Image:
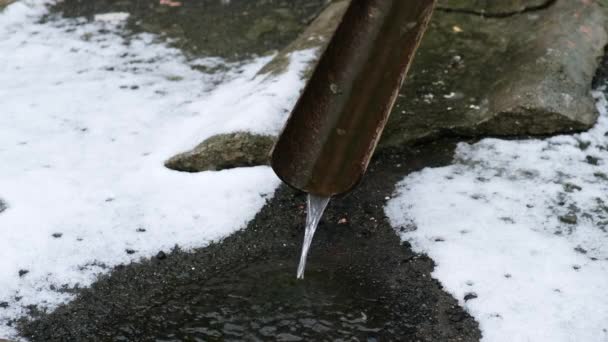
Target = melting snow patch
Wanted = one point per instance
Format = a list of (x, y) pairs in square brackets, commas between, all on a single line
[(519, 232), (87, 120)]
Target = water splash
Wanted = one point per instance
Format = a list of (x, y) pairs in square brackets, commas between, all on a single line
[(315, 209)]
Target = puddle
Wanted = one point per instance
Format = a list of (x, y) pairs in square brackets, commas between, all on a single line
[(264, 301)]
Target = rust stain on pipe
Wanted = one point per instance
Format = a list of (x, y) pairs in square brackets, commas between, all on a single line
[(333, 130)]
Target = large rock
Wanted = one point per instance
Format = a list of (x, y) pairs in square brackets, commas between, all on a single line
[(528, 74), (475, 75), (224, 151)]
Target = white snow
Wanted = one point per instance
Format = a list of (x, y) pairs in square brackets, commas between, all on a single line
[(87, 119), (491, 222), (113, 17)]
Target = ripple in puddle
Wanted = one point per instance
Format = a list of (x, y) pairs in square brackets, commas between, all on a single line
[(266, 302)]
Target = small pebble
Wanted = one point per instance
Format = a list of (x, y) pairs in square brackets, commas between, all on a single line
[(601, 175), (141, 230), (130, 251), (469, 296), (57, 235), (507, 220), (569, 187), (569, 219), (583, 145), (23, 272), (334, 88), (592, 160)]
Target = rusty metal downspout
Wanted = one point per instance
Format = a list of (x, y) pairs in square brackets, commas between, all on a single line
[(331, 134)]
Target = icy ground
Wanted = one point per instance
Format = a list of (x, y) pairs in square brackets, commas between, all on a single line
[(519, 232), (87, 119)]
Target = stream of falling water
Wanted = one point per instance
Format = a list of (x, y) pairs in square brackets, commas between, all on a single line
[(316, 207)]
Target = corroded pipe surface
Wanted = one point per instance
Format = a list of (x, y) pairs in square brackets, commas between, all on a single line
[(333, 130)]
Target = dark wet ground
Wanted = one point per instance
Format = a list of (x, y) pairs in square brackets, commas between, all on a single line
[(362, 283), (234, 29)]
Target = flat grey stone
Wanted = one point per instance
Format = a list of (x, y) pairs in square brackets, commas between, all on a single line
[(528, 74), (224, 151)]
